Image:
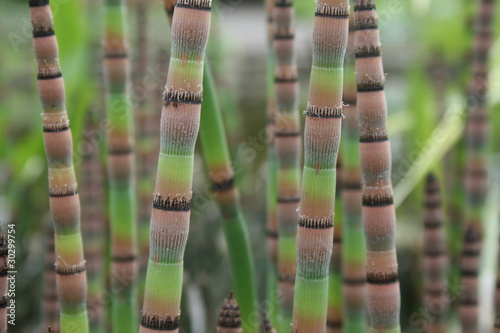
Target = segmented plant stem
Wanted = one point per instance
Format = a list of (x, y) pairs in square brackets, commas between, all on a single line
[(4, 268), (64, 201), (476, 133), (353, 245), (121, 170), (50, 301), (383, 295), (173, 193), (496, 325), (321, 142), (287, 145), (94, 229), (435, 258), (229, 316)]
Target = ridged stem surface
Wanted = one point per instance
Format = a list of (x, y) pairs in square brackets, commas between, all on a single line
[(173, 192), (64, 202), (379, 217), (321, 144)]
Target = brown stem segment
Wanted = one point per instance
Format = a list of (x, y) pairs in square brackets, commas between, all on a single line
[(229, 316), (378, 207)]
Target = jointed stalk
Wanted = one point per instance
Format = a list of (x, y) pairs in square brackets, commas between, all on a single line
[(173, 193), (64, 201), (229, 316), (378, 211), (4, 251), (435, 258), (476, 134), (321, 142), (50, 301), (287, 145), (121, 170), (353, 246)]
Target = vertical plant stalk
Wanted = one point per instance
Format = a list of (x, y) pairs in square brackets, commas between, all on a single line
[(287, 144), (435, 258), (229, 316), (334, 322), (63, 192), (321, 142), (496, 326), (50, 301), (379, 217), (94, 229), (271, 199), (476, 134), (353, 246), (267, 325), (4, 267), (122, 203), (173, 193), (226, 194)]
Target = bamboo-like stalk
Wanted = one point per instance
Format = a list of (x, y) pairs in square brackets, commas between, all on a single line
[(3, 281), (435, 258), (353, 246), (64, 201), (267, 325), (271, 199), (321, 142), (122, 204), (226, 194), (93, 230), (287, 143), (50, 301), (496, 326), (383, 295), (229, 316), (173, 196), (335, 314), (476, 134)]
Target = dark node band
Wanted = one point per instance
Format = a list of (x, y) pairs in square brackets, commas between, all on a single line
[(69, 270), (61, 193), (229, 315), (468, 302), (432, 224), (315, 223), (43, 32), (159, 323), (194, 4), (286, 278), (380, 278), (334, 324), (272, 234), (223, 186), (431, 204), (54, 128), (368, 5), (471, 253), (434, 253), (44, 74), (338, 12), (332, 16), (283, 3), (3, 301), (120, 151), (128, 258), (182, 96), (351, 186), (368, 52), (381, 200), (285, 80), (370, 85), (288, 199), (324, 111), (3, 271), (366, 24), (284, 36), (38, 3), (469, 273), (374, 137), (176, 204), (355, 281)]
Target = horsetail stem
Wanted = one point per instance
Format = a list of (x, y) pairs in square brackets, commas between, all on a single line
[(63, 193), (287, 145), (173, 196), (271, 223), (496, 325), (121, 170), (383, 295), (229, 316), (435, 258), (93, 230), (321, 142), (353, 246), (267, 325), (50, 301), (335, 315), (4, 268), (476, 133)]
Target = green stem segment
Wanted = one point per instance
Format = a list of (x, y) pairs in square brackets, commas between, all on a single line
[(378, 210), (220, 171), (173, 192), (287, 145), (64, 201), (121, 171), (321, 142), (353, 238), (476, 134)]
